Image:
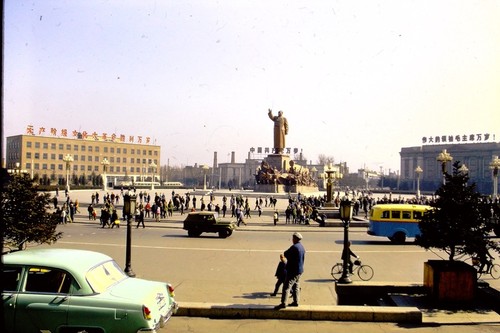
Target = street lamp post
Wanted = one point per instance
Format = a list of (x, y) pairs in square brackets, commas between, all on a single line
[(68, 159), (129, 206), (346, 208), (329, 183), (105, 164), (494, 166), (205, 168), (418, 171), (443, 158), (153, 171)]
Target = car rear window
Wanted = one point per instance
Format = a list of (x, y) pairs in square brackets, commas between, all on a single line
[(105, 275)]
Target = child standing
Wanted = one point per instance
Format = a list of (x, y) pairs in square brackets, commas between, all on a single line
[(280, 274)]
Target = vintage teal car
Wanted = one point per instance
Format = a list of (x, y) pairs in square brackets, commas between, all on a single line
[(66, 290)]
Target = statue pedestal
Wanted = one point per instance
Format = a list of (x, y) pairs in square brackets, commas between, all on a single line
[(278, 161)]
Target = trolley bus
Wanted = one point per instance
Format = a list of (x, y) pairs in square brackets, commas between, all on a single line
[(396, 221)]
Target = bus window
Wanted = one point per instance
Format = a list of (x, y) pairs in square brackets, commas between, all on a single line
[(417, 215), (395, 214), (385, 214), (406, 215)]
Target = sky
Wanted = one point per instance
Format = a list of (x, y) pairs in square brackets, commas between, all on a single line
[(356, 80)]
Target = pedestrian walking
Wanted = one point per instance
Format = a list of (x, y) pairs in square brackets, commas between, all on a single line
[(275, 217), (295, 257), (140, 219), (280, 274)]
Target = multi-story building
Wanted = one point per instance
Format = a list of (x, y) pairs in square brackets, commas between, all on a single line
[(83, 158), (471, 151)]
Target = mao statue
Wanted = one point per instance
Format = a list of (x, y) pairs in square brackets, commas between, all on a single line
[(280, 130)]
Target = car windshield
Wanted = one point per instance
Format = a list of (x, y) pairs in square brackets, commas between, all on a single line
[(105, 275)]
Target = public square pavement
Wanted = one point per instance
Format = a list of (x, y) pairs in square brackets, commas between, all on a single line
[(480, 314)]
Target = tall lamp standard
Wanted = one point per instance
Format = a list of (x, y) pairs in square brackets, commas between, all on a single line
[(68, 159), (205, 169), (495, 165), (346, 208), (329, 183), (105, 164), (153, 171), (444, 157), (129, 205), (418, 171)]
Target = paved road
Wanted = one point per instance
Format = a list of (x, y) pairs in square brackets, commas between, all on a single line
[(238, 270)]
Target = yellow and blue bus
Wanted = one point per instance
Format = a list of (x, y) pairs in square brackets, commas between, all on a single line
[(396, 221)]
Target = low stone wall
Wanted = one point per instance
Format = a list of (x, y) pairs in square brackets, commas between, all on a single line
[(278, 188)]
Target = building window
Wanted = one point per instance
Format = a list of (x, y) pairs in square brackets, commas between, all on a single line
[(44, 166), (45, 156), (60, 157), (68, 147), (53, 146), (96, 158), (124, 160), (52, 167), (96, 149), (112, 150), (83, 158), (90, 148), (132, 151), (75, 158), (75, 147), (28, 165), (45, 145), (59, 167), (111, 168), (28, 155), (61, 146), (96, 168), (105, 149), (112, 160), (37, 166), (117, 160), (52, 156), (144, 152), (89, 168), (118, 150), (82, 148), (37, 145), (82, 167), (138, 160), (28, 144), (37, 156), (117, 169)]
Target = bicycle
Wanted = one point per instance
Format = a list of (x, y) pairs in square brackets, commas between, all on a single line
[(364, 272), (491, 269)]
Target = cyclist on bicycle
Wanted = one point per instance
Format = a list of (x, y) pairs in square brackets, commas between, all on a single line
[(347, 254), (485, 259)]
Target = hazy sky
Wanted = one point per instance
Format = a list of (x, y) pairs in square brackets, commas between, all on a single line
[(357, 80)]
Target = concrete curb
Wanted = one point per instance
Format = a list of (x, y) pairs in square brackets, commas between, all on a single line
[(303, 312)]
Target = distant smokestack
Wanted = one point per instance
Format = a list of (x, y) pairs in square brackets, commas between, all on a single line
[(215, 160), (233, 158)]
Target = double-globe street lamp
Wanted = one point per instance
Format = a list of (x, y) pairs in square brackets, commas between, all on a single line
[(205, 169), (494, 166), (418, 171), (129, 207), (444, 157), (153, 171), (346, 209), (105, 164), (68, 159)]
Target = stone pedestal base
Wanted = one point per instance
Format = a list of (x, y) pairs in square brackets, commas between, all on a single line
[(278, 161)]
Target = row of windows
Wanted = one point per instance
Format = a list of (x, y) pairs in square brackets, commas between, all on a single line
[(112, 150), (83, 168), (83, 158)]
